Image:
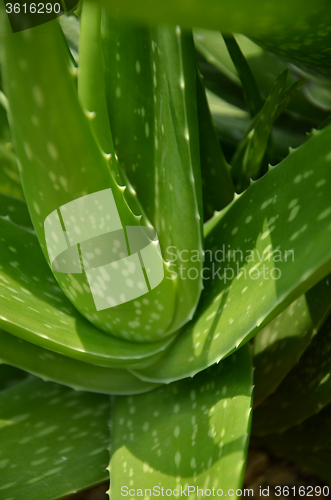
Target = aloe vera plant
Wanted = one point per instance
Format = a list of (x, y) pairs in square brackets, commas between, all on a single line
[(151, 257)]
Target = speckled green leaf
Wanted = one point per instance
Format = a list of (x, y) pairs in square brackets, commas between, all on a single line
[(279, 346), (61, 160), (289, 228), (247, 161), (252, 93), (287, 28), (305, 390), (265, 67), (67, 371), (151, 92), (232, 123), (53, 440), (34, 308), (91, 81), (190, 433)]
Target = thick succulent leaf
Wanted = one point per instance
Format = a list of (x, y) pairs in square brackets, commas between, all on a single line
[(283, 27), (253, 97), (232, 123), (217, 185), (49, 156), (308, 444), (67, 371), (279, 346), (45, 316), (53, 440), (265, 67), (91, 82), (305, 391), (192, 432), (279, 238), (151, 92), (247, 160)]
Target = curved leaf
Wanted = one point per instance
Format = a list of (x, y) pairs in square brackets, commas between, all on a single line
[(53, 440), (279, 346), (185, 434), (76, 374), (275, 224), (304, 392)]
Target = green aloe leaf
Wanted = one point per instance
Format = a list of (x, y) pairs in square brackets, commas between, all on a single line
[(273, 24), (99, 170), (232, 124), (46, 317), (251, 90), (305, 390), (283, 229), (50, 432), (67, 371), (185, 433), (91, 82), (48, 170), (279, 346), (265, 67), (217, 185), (246, 163), (151, 94)]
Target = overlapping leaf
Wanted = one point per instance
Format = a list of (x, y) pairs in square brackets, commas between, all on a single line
[(273, 24), (67, 371), (286, 229), (151, 91), (279, 346), (191, 433), (217, 185), (307, 444), (50, 156), (45, 315), (53, 440), (304, 392)]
